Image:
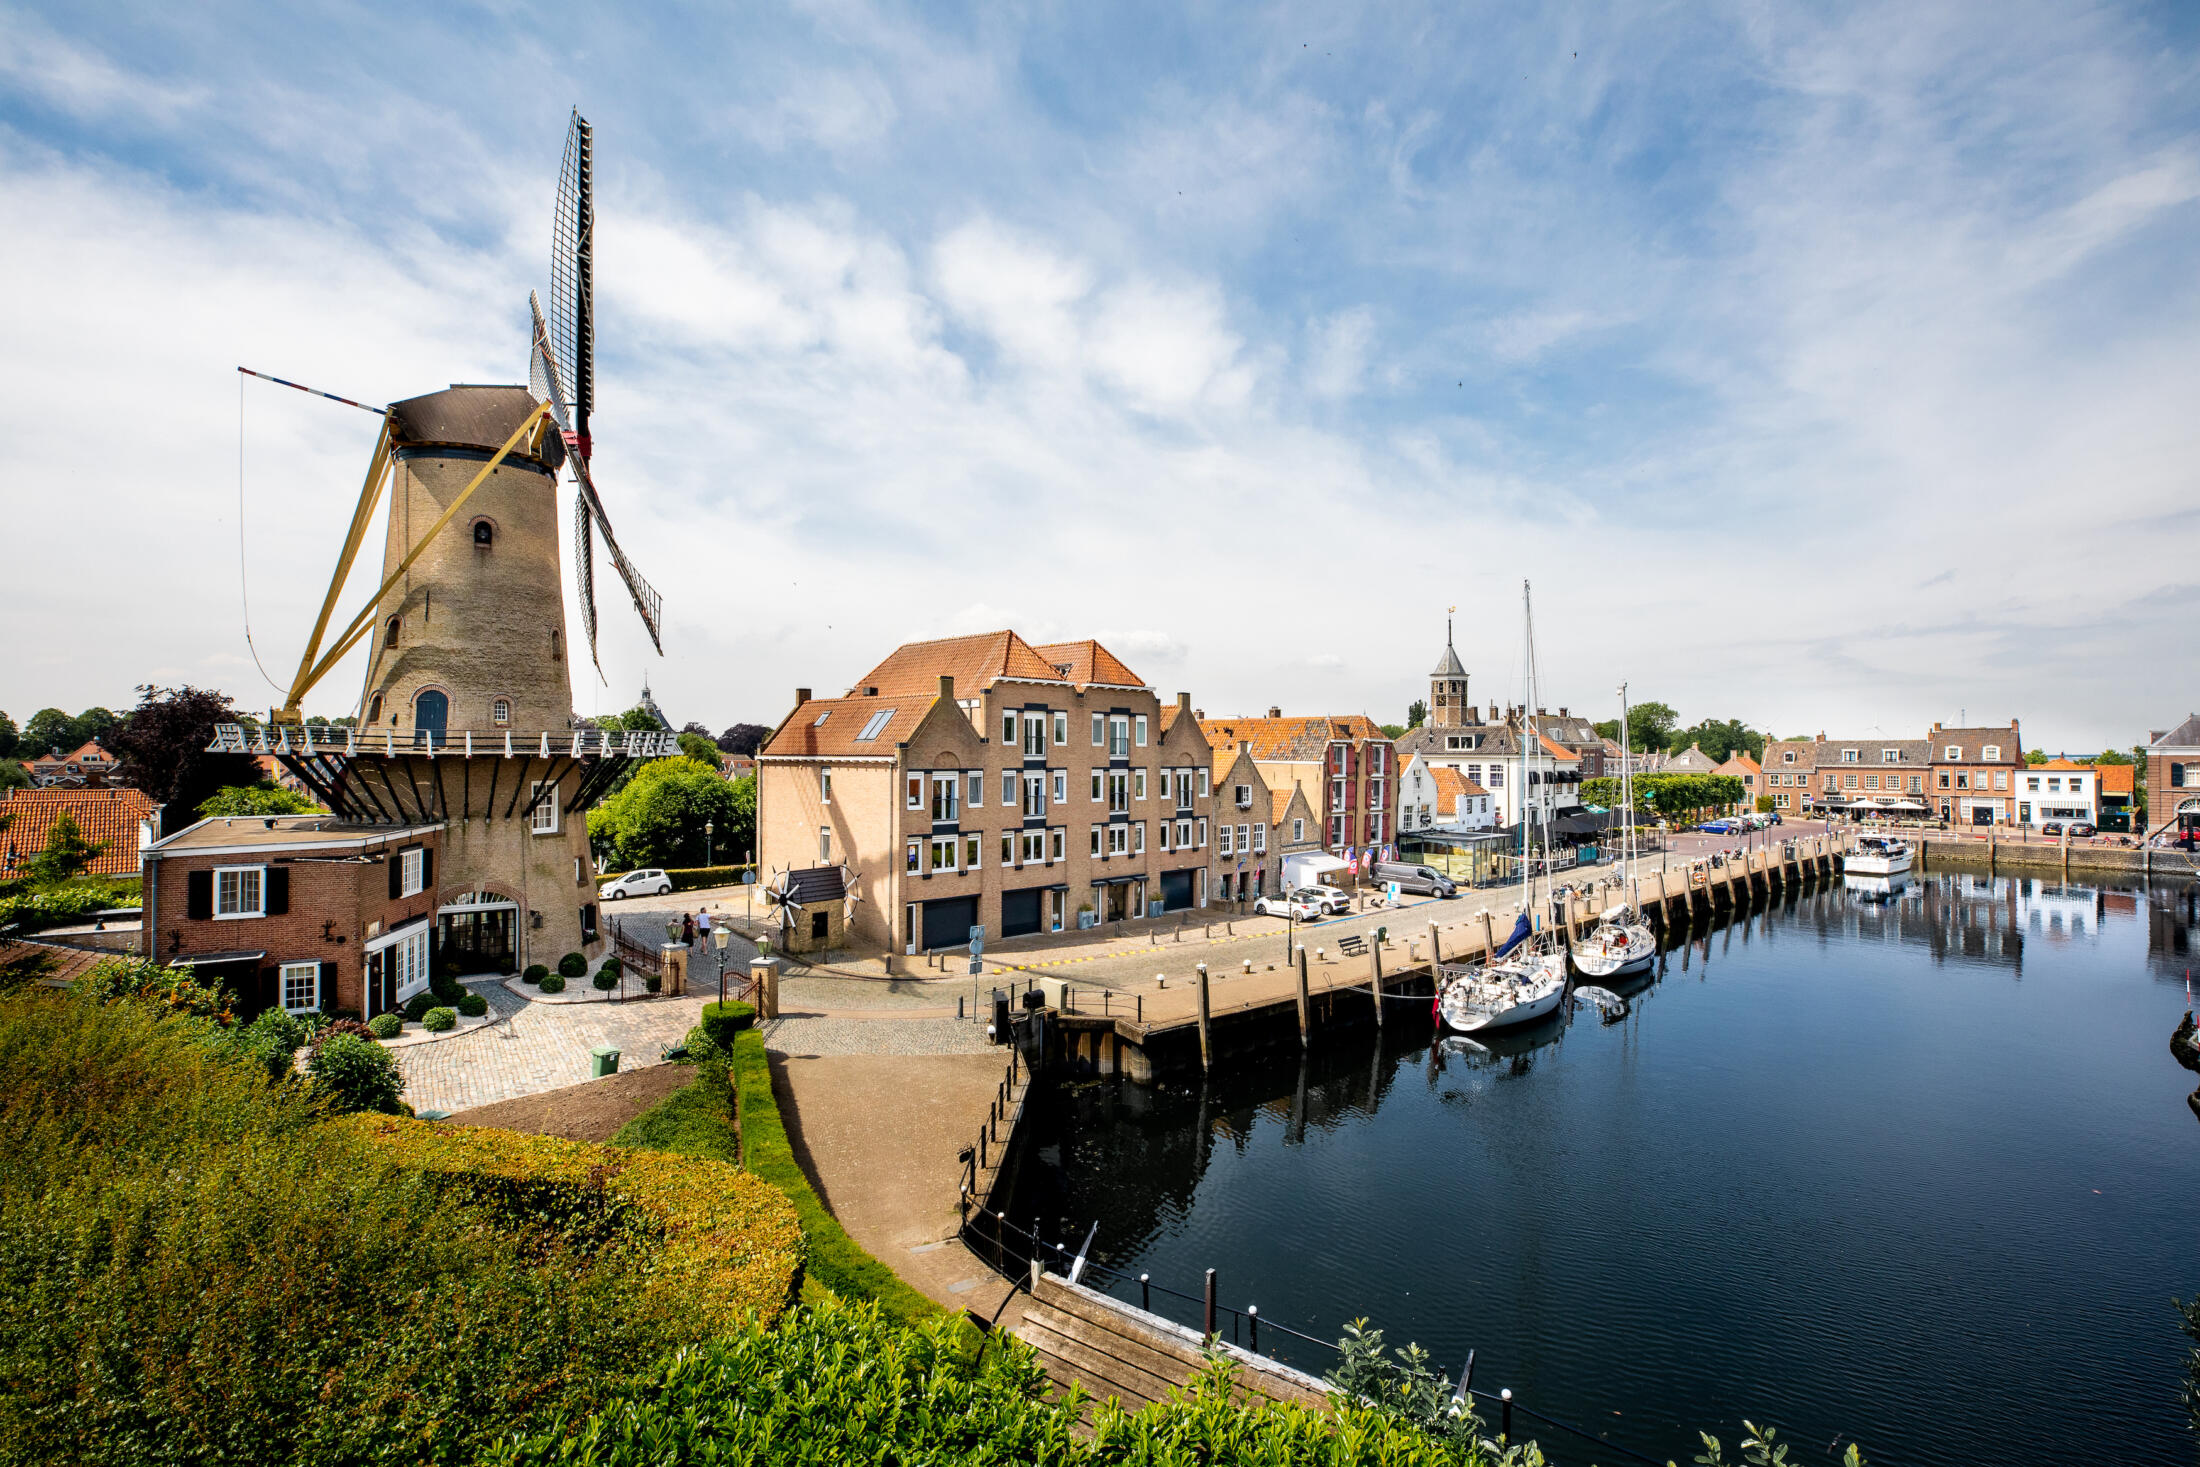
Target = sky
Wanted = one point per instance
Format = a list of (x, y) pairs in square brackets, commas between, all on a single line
[(1826, 367)]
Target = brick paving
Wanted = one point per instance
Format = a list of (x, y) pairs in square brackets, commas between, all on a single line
[(843, 1035), (537, 1046)]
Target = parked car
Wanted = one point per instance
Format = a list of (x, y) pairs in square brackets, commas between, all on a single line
[(1423, 880), (2052, 827), (1297, 906), (2083, 828), (1717, 827), (1332, 901), (636, 883)]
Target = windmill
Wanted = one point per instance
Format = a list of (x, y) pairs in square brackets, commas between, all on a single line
[(790, 893)]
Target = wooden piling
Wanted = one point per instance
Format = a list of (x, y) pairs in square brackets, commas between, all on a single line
[(1206, 1043), (1306, 1037), (1375, 978)]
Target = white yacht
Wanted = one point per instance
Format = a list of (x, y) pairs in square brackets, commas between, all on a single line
[(1622, 944), (1878, 855)]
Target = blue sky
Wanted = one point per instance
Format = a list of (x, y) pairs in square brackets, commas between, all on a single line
[(1832, 368)]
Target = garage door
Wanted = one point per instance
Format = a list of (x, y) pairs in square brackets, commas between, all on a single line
[(1176, 890), (948, 923), (1020, 911)]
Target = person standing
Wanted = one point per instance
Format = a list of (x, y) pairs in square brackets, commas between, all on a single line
[(687, 929), (702, 926)]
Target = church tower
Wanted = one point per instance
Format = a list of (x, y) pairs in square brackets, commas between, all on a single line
[(1447, 689)]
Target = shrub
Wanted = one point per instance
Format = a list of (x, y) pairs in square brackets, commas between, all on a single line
[(553, 983), (450, 990), (150, 981), (606, 980), (724, 1020), (695, 1120), (836, 1261), (354, 1073), (385, 1026), (472, 1005), (654, 982), (534, 974), (572, 965), (419, 1004), (335, 1027), (701, 1048), (698, 878), (439, 1020), (217, 1275), (270, 1041), (613, 965)]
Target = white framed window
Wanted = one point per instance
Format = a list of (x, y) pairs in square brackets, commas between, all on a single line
[(1119, 736), (1035, 792), (945, 805), (1203, 834), (943, 852), (1008, 848), (500, 712), (1061, 786), (1497, 776), (408, 957), (1096, 840), (1244, 796), (1138, 784), (1119, 791), (543, 817), (916, 857), (1245, 837), (1138, 730), (1059, 843), (824, 849), (1953, 751), (1035, 735), (412, 863), (1787, 756), (970, 852), (977, 789), (1203, 790), (301, 987), (916, 791), (240, 891), (2001, 779), (1099, 730), (1119, 840), (1138, 838), (1165, 832), (1008, 789), (1298, 831), (1035, 847), (1226, 846), (1849, 756), (1061, 730), (1260, 839), (819, 721), (824, 785), (1096, 785), (1991, 753), (1008, 726)]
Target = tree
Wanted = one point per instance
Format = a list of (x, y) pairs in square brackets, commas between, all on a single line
[(13, 776), (10, 736), (1674, 797), (67, 852), (1649, 727), (699, 747), (744, 739), (1720, 738), (2035, 756), (2110, 756), (658, 818), (1392, 730), (1417, 713), (637, 719), (162, 748), (93, 725), (50, 731), (263, 798)]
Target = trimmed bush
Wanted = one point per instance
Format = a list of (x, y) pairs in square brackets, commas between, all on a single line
[(724, 1020), (701, 1048), (605, 979), (836, 1261), (695, 1120), (572, 965), (697, 878), (439, 1020), (335, 1027), (653, 981), (385, 1026), (450, 990), (553, 983), (534, 974), (612, 965), (418, 1005), (353, 1073), (472, 1005)]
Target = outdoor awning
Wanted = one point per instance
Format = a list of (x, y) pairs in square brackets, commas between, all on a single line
[(209, 960), (1318, 865), (492, 905)]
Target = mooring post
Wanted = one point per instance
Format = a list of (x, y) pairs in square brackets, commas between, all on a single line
[(1489, 937), (1435, 946), (1145, 1292), (1505, 1425), (1375, 978), (1210, 1303), (1206, 1044), (1305, 1012)]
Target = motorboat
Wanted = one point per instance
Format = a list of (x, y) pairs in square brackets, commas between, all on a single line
[(1622, 944), (1879, 855)]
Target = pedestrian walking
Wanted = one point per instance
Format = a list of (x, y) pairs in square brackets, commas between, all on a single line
[(702, 926), (687, 929)]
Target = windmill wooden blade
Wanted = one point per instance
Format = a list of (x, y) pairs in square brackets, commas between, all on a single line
[(584, 579), (647, 603), (573, 276)]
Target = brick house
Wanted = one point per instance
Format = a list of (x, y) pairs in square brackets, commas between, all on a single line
[(1786, 774), (1740, 766), (1345, 758), (2173, 779), (2117, 788), (85, 765), (305, 911), (986, 782), (1974, 772), (1293, 827), (118, 821), (1244, 865), (1872, 775)]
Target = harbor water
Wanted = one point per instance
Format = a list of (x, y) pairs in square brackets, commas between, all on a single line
[(1912, 1170)]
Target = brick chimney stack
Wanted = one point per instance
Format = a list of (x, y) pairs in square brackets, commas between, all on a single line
[(947, 686), (801, 696)]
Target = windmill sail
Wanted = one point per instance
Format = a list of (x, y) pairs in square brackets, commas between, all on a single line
[(573, 279), (548, 378)]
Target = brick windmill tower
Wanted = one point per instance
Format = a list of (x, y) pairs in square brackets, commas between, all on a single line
[(465, 717)]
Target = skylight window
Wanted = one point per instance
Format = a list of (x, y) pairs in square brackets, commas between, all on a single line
[(871, 729), (820, 723)]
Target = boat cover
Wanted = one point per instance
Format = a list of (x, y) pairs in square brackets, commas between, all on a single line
[(1519, 935)]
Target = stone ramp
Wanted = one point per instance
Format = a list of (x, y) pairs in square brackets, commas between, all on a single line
[(1119, 1352)]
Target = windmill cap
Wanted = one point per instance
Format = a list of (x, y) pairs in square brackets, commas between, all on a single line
[(469, 416)]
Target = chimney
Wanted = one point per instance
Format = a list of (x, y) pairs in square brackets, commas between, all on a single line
[(1184, 704), (801, 696), (947, 686), (1562, 713), (1275, 713), (1199, 715)]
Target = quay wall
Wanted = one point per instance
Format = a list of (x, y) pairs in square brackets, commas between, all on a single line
[(2052, 856)]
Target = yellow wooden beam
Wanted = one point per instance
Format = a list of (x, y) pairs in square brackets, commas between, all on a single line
[(360, 624), (369, 493)]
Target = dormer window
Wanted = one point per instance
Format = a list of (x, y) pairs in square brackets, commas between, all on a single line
[(1953, 751), (1991, 753), (1787, 756)]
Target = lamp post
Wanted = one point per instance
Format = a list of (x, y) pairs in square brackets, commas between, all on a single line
[(709, 827), (721, 937)]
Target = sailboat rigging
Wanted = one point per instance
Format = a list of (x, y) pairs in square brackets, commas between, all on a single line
[(1622, 944)]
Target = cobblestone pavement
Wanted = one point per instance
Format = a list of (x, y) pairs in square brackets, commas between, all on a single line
[(838, 1035)]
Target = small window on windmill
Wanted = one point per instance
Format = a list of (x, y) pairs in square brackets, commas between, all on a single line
[(557, 651), (374, 709), (501, 712), (485, 534), (389, 632)]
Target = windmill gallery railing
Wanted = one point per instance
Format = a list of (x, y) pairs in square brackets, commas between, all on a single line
[(300, 740)]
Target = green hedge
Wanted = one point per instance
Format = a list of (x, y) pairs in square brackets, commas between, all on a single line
[(695, 1120), (693, 878), (837, 1263), (722, 1021)]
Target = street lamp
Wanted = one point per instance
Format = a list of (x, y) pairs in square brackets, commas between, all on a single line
[(709, 827), (721, 937)]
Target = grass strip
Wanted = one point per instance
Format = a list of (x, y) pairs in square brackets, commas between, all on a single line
[(694, 1120), (837, 1263)]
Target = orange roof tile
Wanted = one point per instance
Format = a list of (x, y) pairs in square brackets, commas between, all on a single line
[(1087, 662), (2116, 779), (1451, 784), (832, 728), (914, 669), (1556, 749), (108, 818), (2061, 764), (1741, 757), (1300, 740)]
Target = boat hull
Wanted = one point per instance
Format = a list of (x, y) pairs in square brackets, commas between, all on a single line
[(1873, 864), (1601, 958), (1475, 1005)]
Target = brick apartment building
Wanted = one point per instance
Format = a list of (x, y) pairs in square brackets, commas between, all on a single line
[(1788, 766), (1861, 775), (1345, 761), (986, 782), (1974, 773), (1739, 765), (305, 911), (2173, 779)]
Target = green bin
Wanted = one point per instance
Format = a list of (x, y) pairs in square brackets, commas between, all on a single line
[(603, 1060)]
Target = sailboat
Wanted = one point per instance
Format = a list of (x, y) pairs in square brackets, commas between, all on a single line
[(1525, 979), (1622, 944)]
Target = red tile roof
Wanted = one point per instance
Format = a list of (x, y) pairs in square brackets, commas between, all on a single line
[(1087, 662), (832, 728), (914, 669), (49, 962), (1295, 740), (108, 818), (1450, 785), (2116, 779)]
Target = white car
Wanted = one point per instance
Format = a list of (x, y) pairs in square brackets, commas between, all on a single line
[(636, 883), (1298, 907), (1331, 901)]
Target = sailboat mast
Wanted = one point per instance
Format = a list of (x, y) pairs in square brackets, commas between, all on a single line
[(1527, 725), (1626, 788)]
